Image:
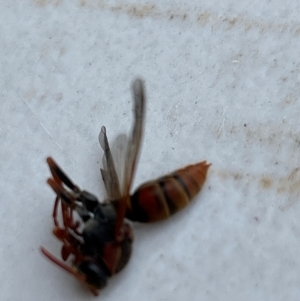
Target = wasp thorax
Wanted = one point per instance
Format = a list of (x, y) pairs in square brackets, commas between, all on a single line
[(100, 229)]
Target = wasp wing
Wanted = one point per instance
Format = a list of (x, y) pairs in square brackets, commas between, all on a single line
[(108, 172), (134, 141), (131, 153), (118, 150), (126, 150)]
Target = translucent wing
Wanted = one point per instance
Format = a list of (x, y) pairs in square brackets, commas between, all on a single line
[(134, 140), (132, 152), (128, 150), (108, 172), (118, 150)]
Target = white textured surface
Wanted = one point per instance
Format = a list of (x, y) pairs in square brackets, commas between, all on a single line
[(222, 84)]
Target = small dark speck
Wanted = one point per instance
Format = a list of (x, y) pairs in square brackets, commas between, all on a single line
[(196, 102), (245, 125), (256, 218), (173, 148)]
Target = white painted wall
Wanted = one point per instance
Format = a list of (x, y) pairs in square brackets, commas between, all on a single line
[(222, 84)]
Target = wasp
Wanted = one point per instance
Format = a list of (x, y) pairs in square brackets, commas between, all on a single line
[(96, 236)]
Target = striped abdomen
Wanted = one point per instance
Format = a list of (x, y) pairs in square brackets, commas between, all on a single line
[(156, 200)]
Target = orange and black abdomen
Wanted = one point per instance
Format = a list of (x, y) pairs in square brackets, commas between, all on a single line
[(157, 200)]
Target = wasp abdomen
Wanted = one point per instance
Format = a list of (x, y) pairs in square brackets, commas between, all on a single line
[(157, 200)]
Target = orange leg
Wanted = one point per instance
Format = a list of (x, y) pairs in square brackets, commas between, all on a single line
[(64, 266)]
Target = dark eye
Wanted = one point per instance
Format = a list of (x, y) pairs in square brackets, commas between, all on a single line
[(94, 273)]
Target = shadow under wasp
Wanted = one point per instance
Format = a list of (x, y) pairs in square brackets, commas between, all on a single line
[(99, 240)]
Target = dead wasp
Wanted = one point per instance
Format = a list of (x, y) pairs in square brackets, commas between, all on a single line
[(100, 239)]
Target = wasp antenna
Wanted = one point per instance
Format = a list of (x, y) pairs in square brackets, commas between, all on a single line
[(61, 192), (59, 174)]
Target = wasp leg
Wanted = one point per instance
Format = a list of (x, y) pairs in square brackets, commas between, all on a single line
[(67, 211), (71, 270), (71, 244), (116, 255), (68, 219), (54, 214), (64, 266)]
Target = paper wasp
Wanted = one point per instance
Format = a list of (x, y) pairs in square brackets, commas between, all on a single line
[(99, 240)]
